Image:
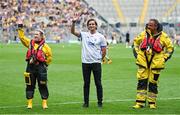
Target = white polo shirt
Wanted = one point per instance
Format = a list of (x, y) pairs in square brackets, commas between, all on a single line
[(91, 47)]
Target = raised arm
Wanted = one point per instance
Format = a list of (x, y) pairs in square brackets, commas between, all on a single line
[(25, 41), (73, 31)]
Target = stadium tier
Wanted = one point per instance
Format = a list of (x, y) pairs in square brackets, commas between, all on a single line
[(113, 16)]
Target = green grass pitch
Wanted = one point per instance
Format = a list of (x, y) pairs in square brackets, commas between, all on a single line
[(65, 83)]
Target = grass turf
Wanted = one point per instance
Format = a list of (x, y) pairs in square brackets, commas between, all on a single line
[(65, 83)]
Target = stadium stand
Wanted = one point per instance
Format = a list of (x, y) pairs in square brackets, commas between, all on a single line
[(115, 17), (133, 14)]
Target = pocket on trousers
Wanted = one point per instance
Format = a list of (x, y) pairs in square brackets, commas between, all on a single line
[(27, 78), (156, 76)]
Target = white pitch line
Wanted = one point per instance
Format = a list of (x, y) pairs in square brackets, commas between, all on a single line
[(66, 103)]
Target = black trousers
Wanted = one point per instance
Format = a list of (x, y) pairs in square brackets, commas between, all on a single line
[(37, 73), (96, 69)]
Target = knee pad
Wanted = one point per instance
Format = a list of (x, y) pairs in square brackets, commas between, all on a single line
[(43, 78), (27, 78), (142, 84), (29, 94), (153, 88)]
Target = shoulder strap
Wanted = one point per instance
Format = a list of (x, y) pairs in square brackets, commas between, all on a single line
[(32, 43), (41, 44), (147, 37)]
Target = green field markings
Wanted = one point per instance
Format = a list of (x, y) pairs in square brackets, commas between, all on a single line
[(106, 101)]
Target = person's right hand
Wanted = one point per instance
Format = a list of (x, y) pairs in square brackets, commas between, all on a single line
[(76, 17)]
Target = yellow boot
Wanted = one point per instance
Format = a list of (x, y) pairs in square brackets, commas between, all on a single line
[(152, 106), (138, 106), (29, 105), (44, 104)]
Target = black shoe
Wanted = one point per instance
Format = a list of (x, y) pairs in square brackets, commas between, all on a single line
[(85, 105), (100, 105)]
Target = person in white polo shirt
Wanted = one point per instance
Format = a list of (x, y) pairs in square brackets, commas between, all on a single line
[(93, 51)]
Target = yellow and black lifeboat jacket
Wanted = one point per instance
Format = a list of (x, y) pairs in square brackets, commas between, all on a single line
[(152, 51), (44, 54)]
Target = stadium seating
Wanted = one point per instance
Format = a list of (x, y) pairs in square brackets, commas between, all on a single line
[(161, 9), (55, 18)]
